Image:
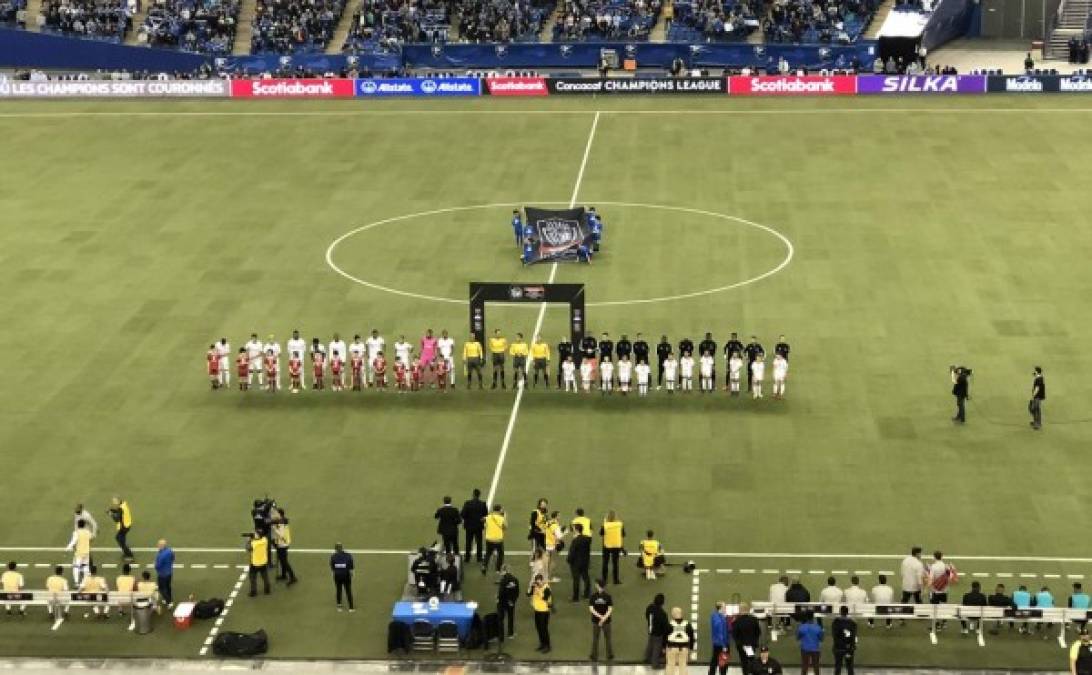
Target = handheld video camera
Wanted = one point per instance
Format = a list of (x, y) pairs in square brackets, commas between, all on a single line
[(960, 369)]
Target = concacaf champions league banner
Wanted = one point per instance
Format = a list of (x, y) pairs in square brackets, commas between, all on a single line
[(557, 234)]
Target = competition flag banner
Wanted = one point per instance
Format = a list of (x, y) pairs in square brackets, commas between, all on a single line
[(113, 89), (636, 85), (792, 85), (420, 86), (921, 84), (517, 86), (292, 88), (558, 233)]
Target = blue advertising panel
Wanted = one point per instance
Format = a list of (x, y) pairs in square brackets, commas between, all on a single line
[(420, 86)]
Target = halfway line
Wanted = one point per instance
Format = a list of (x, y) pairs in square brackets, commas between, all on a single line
[(538, 326)]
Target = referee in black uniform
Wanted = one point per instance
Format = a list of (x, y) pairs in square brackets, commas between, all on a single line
[(663, 350), (624, 347), (640, 351), (564, 351), (1038, 395), (709, 346), (753, 351), (606, 347)]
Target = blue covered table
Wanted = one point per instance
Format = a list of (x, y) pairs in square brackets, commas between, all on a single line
[(459, 612)]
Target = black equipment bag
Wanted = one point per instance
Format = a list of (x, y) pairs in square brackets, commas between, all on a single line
[(240, 644), (208, 609)]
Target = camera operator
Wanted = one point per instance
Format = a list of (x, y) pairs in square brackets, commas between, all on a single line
[(425, 572), (961, 389)]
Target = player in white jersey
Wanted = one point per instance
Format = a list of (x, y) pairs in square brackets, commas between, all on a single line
[(253, 348), (272, 344), (644, 375), (223, 350), (686, 373), (357, 348), (402, 351), (705, 369), (625, 374), (671, 372), (780, 373), (297, 345), (337, 345), (606, 376), (586, 370), (568, 374), (758, 373), (735, 367), (375, 345), (446, 346)]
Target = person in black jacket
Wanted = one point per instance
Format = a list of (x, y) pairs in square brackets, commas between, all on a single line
[(765, 664), (686, 346), (606, 347), (798, 594), (733, 346), (961, 390), (663, 350), (579, 560), (843, 632), (341, 564), (747, 632), (624, 347), (1038, 395), (448, 519), (973, 598), (588, 347), (657, 626), (508, 590), (753, 350), (640, 350), (1000, 599), (473, 516), (709, 345), (564, 351)]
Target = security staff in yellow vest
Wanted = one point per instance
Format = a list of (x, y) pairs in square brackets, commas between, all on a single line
[(650, 553), (542, 602), (680, 641), (552, 540), (258, 548), (613, 533), (1080, 655), (498, 348), (519, 352), (496, 523), (282, 539), (537, 533), (540, 357), (472, 360), (583, 521), (122, 516)]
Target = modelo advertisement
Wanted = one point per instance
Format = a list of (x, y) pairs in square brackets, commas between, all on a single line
[(1036, 84), (292, 88), (415, 86), (113, 89), (792, 85), (517, 86), (921, 84), (641, 85)]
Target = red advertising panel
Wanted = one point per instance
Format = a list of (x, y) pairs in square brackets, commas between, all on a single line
[(517, 86), (292, 88), (792, 85)]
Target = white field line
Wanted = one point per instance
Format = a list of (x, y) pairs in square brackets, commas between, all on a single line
[(220, 620), (153, 114), (520, 388), (695, 608)]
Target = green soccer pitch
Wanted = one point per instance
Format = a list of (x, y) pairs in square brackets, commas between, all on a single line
[(925, 232)]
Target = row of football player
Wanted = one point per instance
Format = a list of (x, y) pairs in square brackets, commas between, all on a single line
[(675, 374)]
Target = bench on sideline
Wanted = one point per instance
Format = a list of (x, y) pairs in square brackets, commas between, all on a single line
[(935, 614), (58, 604)]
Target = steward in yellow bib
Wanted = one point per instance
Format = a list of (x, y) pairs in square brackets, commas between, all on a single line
[(650, 554), (495, 525), (613, 533), (542, 602), (258, 548)]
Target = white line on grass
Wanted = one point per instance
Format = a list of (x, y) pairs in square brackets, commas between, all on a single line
[(695, 602), (220, 620), (538, 327)]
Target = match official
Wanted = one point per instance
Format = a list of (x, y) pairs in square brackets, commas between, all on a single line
[(495, 525), (341, 564), (540, 356), (564, 351), (519, 352), (961, 389), (473, 516), (663, 350), (472, 360), (498, 347), (1038, 395)]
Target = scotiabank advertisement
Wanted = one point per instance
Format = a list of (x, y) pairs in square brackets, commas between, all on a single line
[(292, 88), (517, 86), (792, 85)]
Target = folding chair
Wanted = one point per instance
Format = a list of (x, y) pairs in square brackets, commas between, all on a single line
[(424, 636), (447, 637)]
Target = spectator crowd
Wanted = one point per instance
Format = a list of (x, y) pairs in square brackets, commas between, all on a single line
[(294, 26), (206, 26)]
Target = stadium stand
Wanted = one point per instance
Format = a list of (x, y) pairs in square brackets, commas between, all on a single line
[(607, 20), (294, 26), (98, 19), (818, 21), (712, 21), (13, 13), (503, 20), (389, 22), (206, 26)]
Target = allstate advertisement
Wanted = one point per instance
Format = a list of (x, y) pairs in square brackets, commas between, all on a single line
[(921, 84), (420, 86)]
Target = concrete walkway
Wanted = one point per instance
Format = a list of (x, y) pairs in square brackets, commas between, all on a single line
[(1008, 55)]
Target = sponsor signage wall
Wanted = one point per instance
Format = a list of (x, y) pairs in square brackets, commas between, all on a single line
[(292, 88), (418, 86), (792, 85), (517, 86), (1036, 84), (112, 89), (640, 85), (921, 84)]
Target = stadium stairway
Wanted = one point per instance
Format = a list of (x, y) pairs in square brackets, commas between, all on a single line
[(342, 30), (1071, 22), (873, 31), (34, 8), (659, 30), (138, 21), (245, 27), (758, 36), (547, 32)]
